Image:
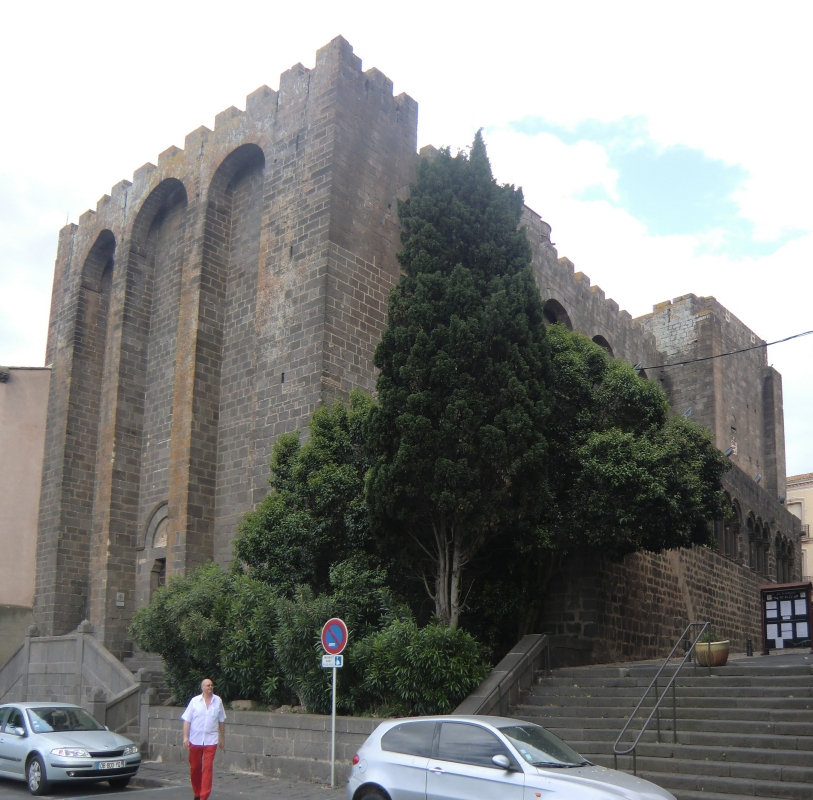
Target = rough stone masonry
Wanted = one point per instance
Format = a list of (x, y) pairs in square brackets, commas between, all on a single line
[(216, 300)]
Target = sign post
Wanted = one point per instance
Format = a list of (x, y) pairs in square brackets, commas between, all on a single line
[(334, 640)]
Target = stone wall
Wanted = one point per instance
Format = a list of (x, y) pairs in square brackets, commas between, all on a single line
[(295, 746), (603, 611)]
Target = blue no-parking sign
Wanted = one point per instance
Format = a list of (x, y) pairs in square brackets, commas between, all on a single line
[(334, 636)]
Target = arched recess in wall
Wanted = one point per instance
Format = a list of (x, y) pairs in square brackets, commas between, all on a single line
[(602, 342), (733, 532), (152, 561), (750, 533), (554, 312), (81, 442), (147, 365), (226, 343)]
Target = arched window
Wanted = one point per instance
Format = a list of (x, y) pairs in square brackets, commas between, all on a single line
[(602, 342), (554, 312)]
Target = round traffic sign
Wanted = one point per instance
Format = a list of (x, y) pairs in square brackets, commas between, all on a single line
[(334, 636)]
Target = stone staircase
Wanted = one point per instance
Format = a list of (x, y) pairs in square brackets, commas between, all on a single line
[(153, 664), (744, 731)]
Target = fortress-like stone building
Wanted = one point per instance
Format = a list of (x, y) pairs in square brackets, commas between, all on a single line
[(221, 296)]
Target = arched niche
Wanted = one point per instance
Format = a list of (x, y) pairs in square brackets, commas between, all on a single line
[(84, 404), (226, 344), (553, 312), (602, 342), (151, 569), (148, 356)]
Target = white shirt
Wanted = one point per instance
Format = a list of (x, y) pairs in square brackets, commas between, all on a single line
[(203, 721)]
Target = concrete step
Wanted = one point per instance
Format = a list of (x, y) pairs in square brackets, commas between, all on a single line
[(685, 794), (756, 681), (787, 790), (707, 725), (708, 690), (684, 712), (767, 741), (739, 702), (717, 768), (667, 752)]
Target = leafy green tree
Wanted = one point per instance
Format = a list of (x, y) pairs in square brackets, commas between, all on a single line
[(459, 432), (625, 475), (213, 624), (405, 669), (315, 515)]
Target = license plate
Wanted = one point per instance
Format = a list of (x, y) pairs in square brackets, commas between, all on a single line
[(110, 765)]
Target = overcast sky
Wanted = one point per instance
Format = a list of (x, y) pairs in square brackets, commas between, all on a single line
[(668, 144)]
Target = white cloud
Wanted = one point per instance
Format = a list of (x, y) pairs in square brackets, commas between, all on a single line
[(92, 94)]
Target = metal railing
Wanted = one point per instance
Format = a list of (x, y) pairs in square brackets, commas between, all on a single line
[(656, 713)]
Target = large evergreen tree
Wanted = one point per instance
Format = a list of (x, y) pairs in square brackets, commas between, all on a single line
[(459, 430), (626, 475)]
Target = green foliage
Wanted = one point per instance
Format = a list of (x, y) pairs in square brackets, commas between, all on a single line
[(407, 670), (459, 430), (213, 624), (629, 475), (315, 514), (360, 598)]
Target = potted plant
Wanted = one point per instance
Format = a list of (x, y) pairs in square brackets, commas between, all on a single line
[(711, 651)]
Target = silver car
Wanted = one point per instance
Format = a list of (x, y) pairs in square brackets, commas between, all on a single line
[(42, 743), (482, 758)]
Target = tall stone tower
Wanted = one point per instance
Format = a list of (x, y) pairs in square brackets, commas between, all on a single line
[(200, 311)]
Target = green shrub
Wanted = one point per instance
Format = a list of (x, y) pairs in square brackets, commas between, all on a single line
[(405, 669), (213, 624), (361, 599)]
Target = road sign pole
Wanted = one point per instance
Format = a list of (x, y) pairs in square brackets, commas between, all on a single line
[(333, 736)]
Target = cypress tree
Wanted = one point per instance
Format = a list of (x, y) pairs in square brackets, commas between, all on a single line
[(458, 434)]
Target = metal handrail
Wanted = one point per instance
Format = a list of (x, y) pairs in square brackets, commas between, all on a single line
[(658, 700)]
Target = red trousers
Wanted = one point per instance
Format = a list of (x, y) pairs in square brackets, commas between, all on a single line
[(201, 758)]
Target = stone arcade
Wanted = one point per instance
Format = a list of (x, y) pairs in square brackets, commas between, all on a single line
[(223, 295)]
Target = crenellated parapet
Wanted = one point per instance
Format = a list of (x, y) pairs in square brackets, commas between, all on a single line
[(572, 300)]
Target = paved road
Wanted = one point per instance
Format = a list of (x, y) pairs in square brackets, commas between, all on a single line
[(170, 782)]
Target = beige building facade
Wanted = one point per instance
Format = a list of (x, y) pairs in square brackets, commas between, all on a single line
[(23, 411), (800, 503)]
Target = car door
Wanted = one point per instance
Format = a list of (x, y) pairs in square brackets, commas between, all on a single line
[(406, 749), (463, 768), (13, 745)]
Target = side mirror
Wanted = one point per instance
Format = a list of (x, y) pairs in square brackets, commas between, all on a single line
[(18, 731), (501, 761)]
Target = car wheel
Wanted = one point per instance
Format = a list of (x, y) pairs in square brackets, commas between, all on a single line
[(119, 783), (375, 794), (35, 777)]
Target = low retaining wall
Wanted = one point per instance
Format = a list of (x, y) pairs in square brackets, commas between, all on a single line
[(634, 609), (295, 746)]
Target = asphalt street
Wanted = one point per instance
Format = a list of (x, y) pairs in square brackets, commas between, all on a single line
[(165, 782)]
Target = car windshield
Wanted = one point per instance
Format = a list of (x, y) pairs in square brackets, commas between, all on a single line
[(50, 719), (541, 748)]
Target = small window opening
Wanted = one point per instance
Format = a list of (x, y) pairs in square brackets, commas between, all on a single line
[(282, 378)]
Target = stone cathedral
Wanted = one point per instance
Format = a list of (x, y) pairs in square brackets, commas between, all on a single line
[(216, 300)]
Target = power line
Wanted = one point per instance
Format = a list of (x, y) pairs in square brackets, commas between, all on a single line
[(732, 353)]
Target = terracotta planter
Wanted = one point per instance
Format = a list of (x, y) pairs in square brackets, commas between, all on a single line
[(714, 652)]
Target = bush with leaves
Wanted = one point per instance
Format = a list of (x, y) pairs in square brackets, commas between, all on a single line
[(315, 514), (213, 624), (362, 600), (404, 669)]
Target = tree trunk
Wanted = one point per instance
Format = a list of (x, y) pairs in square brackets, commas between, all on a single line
[(545, 571)]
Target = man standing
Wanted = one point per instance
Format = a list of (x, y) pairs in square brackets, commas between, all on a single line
[(204, 726)]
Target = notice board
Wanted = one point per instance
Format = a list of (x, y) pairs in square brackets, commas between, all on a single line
[(785, 616)]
